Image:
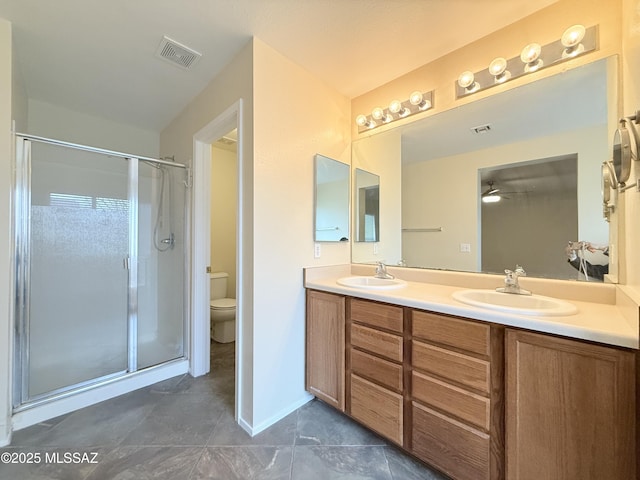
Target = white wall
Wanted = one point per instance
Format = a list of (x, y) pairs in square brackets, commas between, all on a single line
[(233, 83), (381, 155), (19, 100), (6, 181), (425, 207), (53, 121), (315, 119), (224, 181)]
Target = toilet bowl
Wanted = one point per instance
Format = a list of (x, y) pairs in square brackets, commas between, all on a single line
[(223, 310)]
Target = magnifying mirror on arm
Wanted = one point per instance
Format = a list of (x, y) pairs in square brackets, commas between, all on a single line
[(625, 147)]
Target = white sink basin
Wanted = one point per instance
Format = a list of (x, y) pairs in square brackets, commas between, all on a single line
[(519, 304), (372, 283)]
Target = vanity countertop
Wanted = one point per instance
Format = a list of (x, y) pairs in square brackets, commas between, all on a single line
[(597, 322)]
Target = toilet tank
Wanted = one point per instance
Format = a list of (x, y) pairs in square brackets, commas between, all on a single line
[(218, 288)]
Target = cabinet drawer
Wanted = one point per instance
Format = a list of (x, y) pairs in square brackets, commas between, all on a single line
[(462, 369), (378, 315), (375, 341), (456, 401), (376, 369), (455, 448), (471, 336), (378, 408)]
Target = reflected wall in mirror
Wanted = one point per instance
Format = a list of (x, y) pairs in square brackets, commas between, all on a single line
[(367, 192), (447, 161), (535, 200), (331, 200)]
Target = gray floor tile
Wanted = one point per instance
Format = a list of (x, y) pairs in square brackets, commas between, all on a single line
[(244, 463), (404, 467), (319, 424), (146, 463), (177, 420), (184, 429), (339, 463), (103, 424)]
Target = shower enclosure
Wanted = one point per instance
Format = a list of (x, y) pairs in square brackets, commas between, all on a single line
[(100, 267)]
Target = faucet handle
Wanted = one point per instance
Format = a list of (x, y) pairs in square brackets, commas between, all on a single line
[(520, 271)]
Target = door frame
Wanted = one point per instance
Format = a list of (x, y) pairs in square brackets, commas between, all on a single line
[(199, 332)]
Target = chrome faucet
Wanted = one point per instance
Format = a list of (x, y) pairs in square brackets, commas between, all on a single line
[(381, 271), (511, 284)]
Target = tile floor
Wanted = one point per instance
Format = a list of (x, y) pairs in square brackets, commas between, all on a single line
[(183, 429)]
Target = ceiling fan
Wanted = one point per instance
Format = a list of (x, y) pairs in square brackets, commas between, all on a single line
[(490, 195)]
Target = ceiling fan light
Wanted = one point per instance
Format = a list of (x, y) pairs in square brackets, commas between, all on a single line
[(491, 198)]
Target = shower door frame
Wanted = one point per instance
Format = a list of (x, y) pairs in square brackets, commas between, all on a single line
[(22, 195)]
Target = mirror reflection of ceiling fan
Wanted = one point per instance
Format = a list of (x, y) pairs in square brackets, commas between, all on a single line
[(493, 194)]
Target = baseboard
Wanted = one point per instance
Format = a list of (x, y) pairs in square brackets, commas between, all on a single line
[(278, 416)]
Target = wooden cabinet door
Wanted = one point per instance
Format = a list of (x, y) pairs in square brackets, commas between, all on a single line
[(570, 409), (325, 347)]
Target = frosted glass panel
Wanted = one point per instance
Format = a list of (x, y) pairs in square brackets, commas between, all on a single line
[(161, 194), (78, 283)]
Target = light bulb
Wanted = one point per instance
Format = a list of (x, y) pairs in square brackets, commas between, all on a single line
[(465, 80), (530, 56), (572, 36), (498, 68), (417, 99), (361, 121), (571, 39), (377, 113), (395, 106)]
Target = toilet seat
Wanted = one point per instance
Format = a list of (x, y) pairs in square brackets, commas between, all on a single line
[(223, 304)]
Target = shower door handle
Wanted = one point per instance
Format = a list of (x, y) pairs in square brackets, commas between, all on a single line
[(127, 263)]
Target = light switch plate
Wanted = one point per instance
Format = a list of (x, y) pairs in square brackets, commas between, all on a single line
[(316, 250), (465, 248)]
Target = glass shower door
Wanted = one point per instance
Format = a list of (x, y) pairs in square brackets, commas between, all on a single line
[(78, 236), (161, 264)]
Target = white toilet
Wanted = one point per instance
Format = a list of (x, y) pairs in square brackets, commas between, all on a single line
[(223, 310)]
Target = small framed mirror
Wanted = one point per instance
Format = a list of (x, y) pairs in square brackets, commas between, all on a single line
[(331, 210), (367, 191)]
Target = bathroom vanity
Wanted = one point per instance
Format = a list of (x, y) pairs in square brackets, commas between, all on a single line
[(477, 395)]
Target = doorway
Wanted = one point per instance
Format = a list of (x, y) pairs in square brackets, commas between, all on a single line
[(200, 334)]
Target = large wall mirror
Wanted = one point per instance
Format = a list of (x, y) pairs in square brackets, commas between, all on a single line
[(538, 147), (332, 180)]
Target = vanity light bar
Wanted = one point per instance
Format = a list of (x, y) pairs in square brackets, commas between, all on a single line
[(575, 41), (418, 102)]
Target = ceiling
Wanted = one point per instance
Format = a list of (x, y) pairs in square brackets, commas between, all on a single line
[(98, 57)]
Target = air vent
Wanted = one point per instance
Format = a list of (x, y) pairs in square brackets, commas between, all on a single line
[(481, 128), (176, 53)]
